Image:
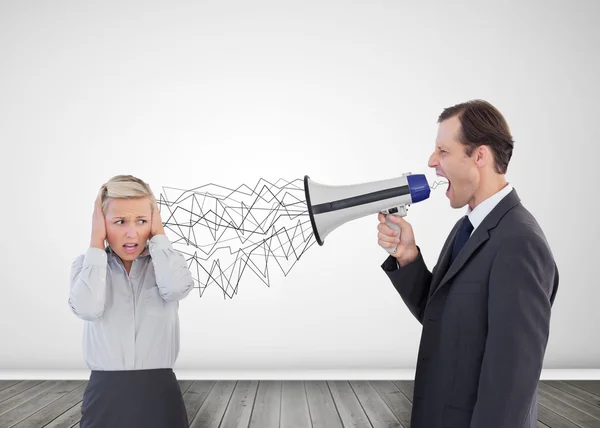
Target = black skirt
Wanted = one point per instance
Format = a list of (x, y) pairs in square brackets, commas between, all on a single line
[(133, 398)]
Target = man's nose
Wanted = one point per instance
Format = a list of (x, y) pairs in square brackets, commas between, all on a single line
[(433, 161)]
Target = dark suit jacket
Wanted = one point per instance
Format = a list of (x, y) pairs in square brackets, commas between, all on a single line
[(485, 323)]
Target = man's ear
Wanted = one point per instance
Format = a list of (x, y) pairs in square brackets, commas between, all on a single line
[(483, 155)]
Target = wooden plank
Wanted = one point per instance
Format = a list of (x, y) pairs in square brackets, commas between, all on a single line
[(55, 409), (591, 386), (571, 400), (26, 395), (7, 383), (267, 405), (294, 405), (565, 410), (17, 388), (553, 419), (349, 408), (378, 412), (40, 401), (68, 418), (239, 409), (212, 410), (575, 391), (194, 397), (406, 388), (29, 404), (323, 411), (184, 385), (395, 400)]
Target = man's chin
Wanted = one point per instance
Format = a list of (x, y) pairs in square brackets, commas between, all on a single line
[(450, 197), (454, 203)]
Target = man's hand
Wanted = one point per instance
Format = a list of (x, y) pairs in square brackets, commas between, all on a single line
[(156, 227), (406, 248)]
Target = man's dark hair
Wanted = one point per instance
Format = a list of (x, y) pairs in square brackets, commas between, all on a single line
[(482, 124)]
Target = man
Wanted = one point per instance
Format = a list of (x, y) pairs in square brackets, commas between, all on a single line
[(485, 307)]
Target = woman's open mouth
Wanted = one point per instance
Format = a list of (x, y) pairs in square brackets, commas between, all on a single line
[(130, 248)]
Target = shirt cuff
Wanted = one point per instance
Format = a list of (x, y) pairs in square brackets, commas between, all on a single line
[(95, 257)]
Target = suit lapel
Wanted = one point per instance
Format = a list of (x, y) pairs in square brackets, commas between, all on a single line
[(479, 237), (475, 241), (444, 260)]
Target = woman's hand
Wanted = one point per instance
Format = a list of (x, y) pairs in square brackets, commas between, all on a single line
[(156, 227), (98, 223)]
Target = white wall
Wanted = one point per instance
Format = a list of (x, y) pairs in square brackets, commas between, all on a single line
[(346, 92)]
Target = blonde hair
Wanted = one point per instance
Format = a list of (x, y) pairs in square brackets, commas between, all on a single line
[(125, 187)]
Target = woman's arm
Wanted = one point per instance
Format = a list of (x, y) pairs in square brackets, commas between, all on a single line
[(87, 295), (173, 277)]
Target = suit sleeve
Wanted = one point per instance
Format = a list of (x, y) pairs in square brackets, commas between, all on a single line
[(173, 276), (522, 280), (412, 282)]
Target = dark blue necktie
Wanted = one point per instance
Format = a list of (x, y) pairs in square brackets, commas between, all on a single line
[(462, 236)]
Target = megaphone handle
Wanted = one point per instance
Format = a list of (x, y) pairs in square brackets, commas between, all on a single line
[(400, 212), (395, 227)]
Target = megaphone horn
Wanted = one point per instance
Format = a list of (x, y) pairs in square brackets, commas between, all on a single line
[(331, 206)]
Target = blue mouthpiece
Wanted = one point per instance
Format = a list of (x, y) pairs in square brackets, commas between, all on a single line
[(419, 188)]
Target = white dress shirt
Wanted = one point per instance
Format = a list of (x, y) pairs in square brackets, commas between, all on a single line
[(131, 321), (481, 211)]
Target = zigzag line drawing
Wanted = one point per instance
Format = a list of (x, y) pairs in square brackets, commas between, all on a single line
[(224, 232)]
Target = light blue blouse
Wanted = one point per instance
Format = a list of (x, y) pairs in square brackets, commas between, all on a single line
[(131, 321)]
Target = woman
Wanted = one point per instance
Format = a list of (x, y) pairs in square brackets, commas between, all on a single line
[(128, 294)]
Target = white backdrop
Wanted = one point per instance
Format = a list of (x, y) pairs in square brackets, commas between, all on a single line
[(185, 94)]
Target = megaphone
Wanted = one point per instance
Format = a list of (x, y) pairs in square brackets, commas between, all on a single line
[(332, 206)]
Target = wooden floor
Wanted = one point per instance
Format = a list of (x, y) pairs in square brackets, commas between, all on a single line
[(265, 404)]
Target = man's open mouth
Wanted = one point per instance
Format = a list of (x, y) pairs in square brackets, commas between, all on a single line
[(445, 179)]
